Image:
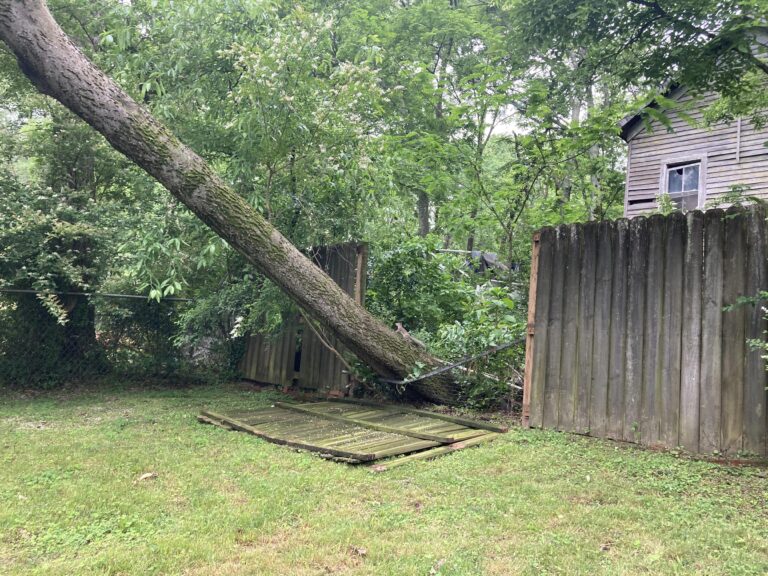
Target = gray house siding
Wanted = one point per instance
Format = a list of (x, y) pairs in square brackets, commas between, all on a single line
[(729, 154)]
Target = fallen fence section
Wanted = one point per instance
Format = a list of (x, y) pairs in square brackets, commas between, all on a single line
[(299, 358), (358, 432), (639, 331)]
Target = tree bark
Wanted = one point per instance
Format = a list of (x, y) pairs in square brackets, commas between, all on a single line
[(422, 209), (59, 69)]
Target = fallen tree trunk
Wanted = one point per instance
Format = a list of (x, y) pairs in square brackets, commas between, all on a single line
[(59, 69)]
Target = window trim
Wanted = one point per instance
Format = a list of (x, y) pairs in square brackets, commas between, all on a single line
[(677, 161)]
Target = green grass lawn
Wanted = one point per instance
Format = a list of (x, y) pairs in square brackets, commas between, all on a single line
[(226, 503)]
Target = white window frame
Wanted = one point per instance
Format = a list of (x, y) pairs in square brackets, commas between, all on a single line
[(671, 162)]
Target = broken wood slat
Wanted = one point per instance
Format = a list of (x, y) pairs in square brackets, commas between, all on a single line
[(447, 418), (434, 452), (366, 424), (212, 416)]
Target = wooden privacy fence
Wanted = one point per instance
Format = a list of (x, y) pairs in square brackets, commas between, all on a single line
[(630, 336), (298, 357)]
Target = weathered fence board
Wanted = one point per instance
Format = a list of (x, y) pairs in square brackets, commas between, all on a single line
[(711, 332), (569, 363), (540, 326), (554, 349), (755, 419), (691, 333), (734, 334), (598, 392), (638, 263), (640, 331), (586, 325), (654, 309), (618, 340), (672, 329)]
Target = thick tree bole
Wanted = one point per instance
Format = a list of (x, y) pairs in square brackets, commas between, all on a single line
[(59, 69)]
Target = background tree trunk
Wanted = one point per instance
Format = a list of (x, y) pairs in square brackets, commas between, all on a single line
[(422, 209), (59, 69)]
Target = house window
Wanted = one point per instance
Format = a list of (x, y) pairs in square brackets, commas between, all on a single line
[(683, 183)]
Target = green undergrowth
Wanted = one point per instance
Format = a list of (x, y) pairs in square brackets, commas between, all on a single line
[(124, 480)]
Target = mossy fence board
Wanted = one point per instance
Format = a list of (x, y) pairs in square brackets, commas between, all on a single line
[(632, 333), (297, 357)]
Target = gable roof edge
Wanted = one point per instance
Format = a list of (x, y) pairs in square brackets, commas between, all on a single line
[(631, 124)]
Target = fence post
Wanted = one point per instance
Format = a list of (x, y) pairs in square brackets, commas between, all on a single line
[(530, 330)]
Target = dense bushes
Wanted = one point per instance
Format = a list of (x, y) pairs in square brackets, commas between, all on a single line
[(454, 311)]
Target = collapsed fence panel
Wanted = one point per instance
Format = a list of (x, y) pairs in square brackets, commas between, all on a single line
[(640, 330), (301, 355)]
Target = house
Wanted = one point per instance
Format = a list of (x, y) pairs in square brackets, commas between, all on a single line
[(695, 164)]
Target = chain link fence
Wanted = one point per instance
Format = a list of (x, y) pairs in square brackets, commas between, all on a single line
[(100, 335)]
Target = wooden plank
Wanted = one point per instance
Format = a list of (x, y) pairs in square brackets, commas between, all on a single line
[(448, 418), (672, 327), (310, 380), (403, 449), (598, 403), (434, 452), (543, 290), (586, 334), (690, 368), (289, 357), (618, 339), (530, 331), (636, 291), (569, 362), (652, 352), (282, 441), (711, 341), (734, 332), (296, 429), (348, 440), (755, 380), (415, 423), (366, 424), (468, 433), (387, 442), (554, 334), (265, 419)]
